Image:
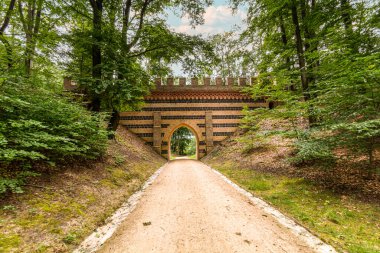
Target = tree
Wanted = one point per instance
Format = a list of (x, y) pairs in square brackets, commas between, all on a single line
[(3, 39), (30, 21), (320, 60), (182, 142), (130, 43)]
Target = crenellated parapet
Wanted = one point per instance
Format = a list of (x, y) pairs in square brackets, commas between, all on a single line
[(189, 84), (204, 84)]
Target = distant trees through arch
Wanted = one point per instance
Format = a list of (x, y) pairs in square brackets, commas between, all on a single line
[(183, 142)]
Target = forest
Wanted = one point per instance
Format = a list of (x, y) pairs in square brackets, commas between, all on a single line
[(318, 61)]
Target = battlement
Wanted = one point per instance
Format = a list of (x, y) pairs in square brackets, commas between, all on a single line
[(206, 83), (189, 84)]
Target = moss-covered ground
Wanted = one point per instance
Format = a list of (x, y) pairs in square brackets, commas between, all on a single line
[(56, 212)]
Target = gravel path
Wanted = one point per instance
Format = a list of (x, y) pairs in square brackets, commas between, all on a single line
[(189, 208)]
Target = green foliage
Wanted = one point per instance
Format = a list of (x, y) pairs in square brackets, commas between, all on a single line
[(326, 76), (191, 148), (9, 241), (70, 238), (183, 142), (37, 125), (132, 46), (253, 138), (312, 151)]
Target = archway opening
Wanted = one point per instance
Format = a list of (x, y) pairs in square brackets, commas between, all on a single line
[(183, 144)]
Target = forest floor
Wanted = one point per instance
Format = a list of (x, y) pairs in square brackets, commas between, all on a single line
[(341, 205), (190, 208), (57, 211)]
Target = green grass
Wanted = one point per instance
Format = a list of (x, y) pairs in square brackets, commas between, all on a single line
[(173, 156), (342, 221), (9, 241)]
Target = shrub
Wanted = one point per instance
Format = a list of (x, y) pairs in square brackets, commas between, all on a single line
[(37, 125), (310, 151)]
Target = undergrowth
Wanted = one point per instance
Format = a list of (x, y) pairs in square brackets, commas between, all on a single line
[(40, 127)]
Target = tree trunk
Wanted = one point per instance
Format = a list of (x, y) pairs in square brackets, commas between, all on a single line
[(126, 15), (310, 45), (94, 105), (284, 39), (300, 53), (97, 37), (31, 27), (4, 26), (114, 120), (96, 51), (302, 63)]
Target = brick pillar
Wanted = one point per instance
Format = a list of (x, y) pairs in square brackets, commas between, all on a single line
[(207, 81), (170, 81), (194, 81), (182, 81), (209, 132), (242, 81), (157, 131), (219, 81), (230, 81)]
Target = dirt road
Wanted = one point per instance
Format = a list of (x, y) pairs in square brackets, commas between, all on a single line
[(189, 208)]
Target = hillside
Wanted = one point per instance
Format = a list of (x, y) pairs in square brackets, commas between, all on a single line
[(339, 204), (58, 210)]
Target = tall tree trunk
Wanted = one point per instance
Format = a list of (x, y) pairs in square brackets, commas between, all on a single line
[(4, 26), (284, 40), (124, 30), (114, 121), (302, 62), (97, 37), (31, 26), (97, 13), (95, 104), (311, 46), (300, 52)]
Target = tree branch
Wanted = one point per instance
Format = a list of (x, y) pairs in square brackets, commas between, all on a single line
[(93, 4), (141, 25), (7, 17), (38, 18), (126, 14), (22, 18), (146, 51)]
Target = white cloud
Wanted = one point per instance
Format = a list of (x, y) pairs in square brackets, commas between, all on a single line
[(217, 20)]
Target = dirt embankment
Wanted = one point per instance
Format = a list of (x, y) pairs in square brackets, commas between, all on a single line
[(58, 210), (347, 177)]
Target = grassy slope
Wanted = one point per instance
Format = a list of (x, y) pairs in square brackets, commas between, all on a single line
[(59, 210), (340, 219)]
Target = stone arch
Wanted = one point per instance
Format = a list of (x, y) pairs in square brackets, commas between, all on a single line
[(194, 129)]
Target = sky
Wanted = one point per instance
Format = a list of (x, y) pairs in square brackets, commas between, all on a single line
[(218, 18)]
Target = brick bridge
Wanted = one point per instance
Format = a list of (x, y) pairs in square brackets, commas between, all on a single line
[(210, 108)]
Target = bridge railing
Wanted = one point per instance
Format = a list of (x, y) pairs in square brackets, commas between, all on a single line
[(204, 82)]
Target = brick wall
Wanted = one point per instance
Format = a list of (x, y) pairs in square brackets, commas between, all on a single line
[(212, 112)]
